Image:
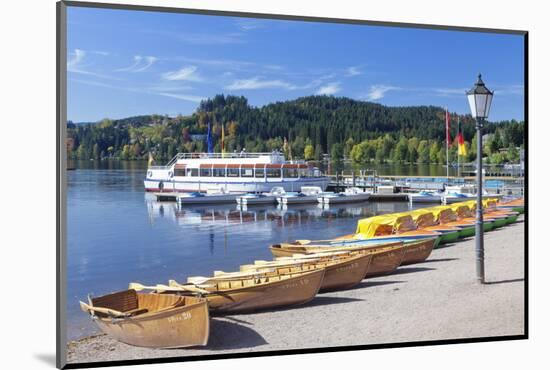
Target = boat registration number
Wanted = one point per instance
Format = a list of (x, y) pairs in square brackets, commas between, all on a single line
[(181, 317)]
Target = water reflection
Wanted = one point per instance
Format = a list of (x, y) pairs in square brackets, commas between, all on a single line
[(277, 215)]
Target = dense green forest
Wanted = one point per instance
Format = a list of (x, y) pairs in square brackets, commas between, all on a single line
[(343, 128)]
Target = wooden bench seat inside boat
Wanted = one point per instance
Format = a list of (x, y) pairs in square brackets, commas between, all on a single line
[(133, 304)]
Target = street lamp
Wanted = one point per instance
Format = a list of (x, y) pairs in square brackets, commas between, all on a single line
[(479, 98)]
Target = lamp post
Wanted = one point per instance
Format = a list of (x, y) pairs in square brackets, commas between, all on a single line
[(479, 98)]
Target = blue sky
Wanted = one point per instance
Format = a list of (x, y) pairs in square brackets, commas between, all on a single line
[(123, 63)]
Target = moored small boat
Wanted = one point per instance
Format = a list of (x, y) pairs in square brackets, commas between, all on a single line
[(386, 257), (342, 270), (307, 194), (151, 320), (248, 294), (425, 197), (261, 198), (211, 197), (350, 195)]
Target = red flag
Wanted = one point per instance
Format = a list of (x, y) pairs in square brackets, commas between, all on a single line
[(447, 127)]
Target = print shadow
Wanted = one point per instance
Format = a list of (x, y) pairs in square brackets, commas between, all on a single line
[(504, 281), (46, 358)]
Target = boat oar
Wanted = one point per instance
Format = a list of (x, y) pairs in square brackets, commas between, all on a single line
[(107, 311), (173, 284), (166, 288)]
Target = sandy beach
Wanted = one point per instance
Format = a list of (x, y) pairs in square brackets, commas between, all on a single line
[(436, 299)]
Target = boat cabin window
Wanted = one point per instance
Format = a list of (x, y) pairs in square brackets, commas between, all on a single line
[(206, 172), (247, 172), (218, 172), (304, 172), (232, 172), (273, 172), (179, 172), (290, 172), (193, 172), (260, 172)]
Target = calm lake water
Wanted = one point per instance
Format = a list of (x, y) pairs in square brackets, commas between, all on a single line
[(119, 234)]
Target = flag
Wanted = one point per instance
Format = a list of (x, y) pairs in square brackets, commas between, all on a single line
[(285, 145), (151, 160), (223, 143), (209, 139), (447, 127), (460, 141)]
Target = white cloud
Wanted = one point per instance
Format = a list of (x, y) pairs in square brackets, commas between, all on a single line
[(74, 64), (144, 90), (329, 89), (377, 92), (191, 98), (141, 63), (255, 83), (183, 74), (78, 56), (149, 60), (509, 90), (353, 71)]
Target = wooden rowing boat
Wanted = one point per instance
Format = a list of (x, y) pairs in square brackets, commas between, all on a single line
[(386, 257), (418, 251), (248, 294), (151, 320), (342, 270)]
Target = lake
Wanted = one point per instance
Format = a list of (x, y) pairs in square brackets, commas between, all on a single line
[(116, 233)]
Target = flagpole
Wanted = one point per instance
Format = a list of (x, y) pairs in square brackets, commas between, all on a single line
[(447, 138), (458, 149)]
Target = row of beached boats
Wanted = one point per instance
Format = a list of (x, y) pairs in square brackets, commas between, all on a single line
[(176, 314)]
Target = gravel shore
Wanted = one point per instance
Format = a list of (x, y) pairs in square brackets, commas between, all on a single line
[(436, 299)]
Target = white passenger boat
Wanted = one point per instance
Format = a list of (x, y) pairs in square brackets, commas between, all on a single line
[(211, 197), (235, 173), (350, 195), (307, 194), (261, 198), (425, 197)]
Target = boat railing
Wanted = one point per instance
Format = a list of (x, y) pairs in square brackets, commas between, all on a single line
[(277, 156)]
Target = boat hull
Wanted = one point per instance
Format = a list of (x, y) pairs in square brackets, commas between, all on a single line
[(298, 200), (208, 199), (354, 198), (346, 274), (289, 292), (251, 185), (386, 261), (253, 200), (418, 251), (185, 326), (424, 199)]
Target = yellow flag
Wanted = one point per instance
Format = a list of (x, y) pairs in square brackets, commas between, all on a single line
[(151, 160)]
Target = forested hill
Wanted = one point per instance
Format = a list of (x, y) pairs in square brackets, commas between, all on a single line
[(312, 125)]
